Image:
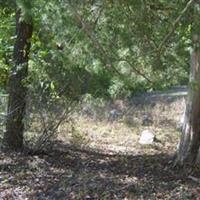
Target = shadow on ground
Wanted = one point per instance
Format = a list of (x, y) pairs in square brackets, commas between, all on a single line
[(70, 173)]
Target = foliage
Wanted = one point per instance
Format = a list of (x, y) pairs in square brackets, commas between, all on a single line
[(7, 28), (108, 49), (77, 44)]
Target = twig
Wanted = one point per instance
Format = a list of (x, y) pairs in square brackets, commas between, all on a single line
[(197, 180), (136, 70)]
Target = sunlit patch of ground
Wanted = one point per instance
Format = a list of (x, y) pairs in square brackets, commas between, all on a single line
[(121, 134)]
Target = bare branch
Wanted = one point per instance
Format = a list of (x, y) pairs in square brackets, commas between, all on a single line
[(136, 70), (197, 180)]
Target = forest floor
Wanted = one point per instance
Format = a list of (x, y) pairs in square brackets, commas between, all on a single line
[(98, 155)]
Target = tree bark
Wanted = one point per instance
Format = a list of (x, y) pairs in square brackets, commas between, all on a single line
[(189, 146), (13, 137), (190, 139)]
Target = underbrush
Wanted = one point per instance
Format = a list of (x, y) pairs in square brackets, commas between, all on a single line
[(96, 155)]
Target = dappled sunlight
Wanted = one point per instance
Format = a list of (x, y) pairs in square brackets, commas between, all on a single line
[(76, 173), (99, 156), (123, 132), (93, 100)]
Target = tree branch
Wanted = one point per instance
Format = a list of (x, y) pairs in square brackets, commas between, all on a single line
[(136, 70), (98, 47), (86, 28), (174, 26)]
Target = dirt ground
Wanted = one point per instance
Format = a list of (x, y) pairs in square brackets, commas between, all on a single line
[(98, 156)]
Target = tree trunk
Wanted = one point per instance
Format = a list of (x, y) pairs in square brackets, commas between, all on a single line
[(13, 137), (189, 145), (190, 139)]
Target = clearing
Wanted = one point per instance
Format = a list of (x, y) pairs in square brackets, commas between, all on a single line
[(97, 155)]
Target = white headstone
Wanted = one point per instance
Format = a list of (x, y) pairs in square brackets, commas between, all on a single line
[(147, 137)]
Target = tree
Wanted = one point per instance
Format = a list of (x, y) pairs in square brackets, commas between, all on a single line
[(118, 43), (13, 137), (190, 140)]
